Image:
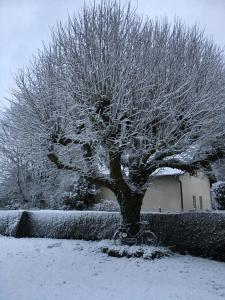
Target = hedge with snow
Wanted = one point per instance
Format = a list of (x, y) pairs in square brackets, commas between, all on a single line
[(198, 233)]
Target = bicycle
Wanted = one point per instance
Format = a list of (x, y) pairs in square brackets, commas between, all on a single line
[(143, 236)]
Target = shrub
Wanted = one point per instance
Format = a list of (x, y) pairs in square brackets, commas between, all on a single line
[(218, 193), (107, 205), (81, 197)]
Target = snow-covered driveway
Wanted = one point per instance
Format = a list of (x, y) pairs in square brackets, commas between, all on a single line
[(45, 269)]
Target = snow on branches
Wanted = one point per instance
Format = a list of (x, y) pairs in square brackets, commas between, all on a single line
[(114, 97)]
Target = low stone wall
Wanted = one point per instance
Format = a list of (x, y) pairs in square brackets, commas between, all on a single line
[(201, 234)]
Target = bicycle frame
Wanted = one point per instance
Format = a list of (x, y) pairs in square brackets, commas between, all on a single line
[(125, 236)]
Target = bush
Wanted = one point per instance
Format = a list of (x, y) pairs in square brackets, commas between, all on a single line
[(218, 193), (201, 234), (107, 205), (81, 197), (9, 222)]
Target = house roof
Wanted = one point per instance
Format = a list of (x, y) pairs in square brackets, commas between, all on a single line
[(167, 172), (158, 172)]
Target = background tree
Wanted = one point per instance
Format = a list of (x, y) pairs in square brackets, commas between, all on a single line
[(29, 180), (114, 97), (14, 168)]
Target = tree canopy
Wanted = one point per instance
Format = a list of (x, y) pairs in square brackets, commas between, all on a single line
[(114, 97)]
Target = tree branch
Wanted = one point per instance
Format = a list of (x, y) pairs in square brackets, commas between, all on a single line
[(116, 174), (92, 178), (190, 167)]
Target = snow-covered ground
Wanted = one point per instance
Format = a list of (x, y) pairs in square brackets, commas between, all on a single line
[(47, 269)]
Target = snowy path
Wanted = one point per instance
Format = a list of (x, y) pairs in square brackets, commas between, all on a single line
[(45, 269)]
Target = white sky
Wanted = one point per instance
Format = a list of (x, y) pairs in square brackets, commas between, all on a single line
[(24, 24)]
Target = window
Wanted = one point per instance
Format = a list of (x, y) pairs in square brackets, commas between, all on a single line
[(194, 202), (201, 202)]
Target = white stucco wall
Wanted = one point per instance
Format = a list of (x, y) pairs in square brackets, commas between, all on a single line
[(105, 193), (164, 192), (197, 186)]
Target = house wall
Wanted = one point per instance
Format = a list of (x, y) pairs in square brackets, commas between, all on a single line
[(197, 186), (106, 194), (164, 192)]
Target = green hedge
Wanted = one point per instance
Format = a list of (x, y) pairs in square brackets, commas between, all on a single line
[(201, 234), (9, 222)]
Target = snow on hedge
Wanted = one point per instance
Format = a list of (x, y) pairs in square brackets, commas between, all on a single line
[(198, 233), (9, 221), (87, 225)]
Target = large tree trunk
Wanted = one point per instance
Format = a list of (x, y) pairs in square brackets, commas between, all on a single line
[(130, 208), (129, 201)]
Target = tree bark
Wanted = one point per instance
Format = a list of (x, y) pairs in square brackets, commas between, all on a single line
[(129, 201), (130, 208)]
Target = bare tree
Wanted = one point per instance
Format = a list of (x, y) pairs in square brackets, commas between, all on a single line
[(114, 97), (13, 165)]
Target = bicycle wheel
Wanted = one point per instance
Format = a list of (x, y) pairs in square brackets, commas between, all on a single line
[(149, 238), (117, 238)]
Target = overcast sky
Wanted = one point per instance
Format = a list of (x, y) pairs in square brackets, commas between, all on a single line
[(24, 24)]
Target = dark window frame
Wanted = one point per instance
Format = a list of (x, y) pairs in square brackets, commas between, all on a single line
[(194, 202)]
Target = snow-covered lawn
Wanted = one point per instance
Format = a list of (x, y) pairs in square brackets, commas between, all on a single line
[(47, 269)]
